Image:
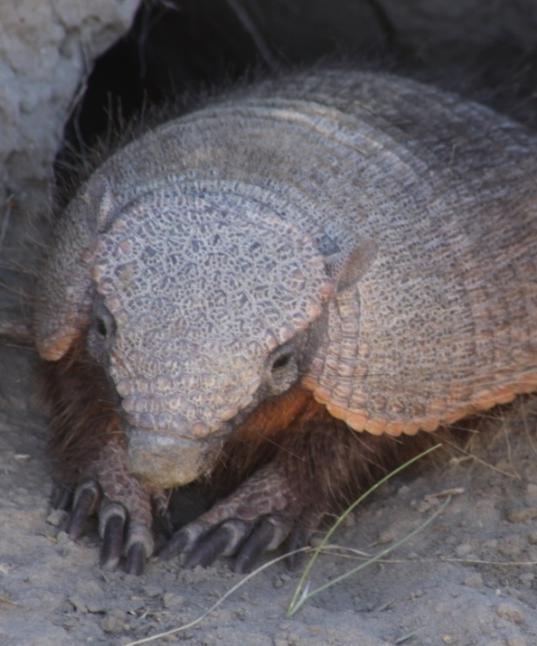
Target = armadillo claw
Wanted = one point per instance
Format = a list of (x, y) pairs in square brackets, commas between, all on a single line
[(219, 541), (268, 534), (112, 521), (247, 541), (135, 560), (299, 538), (61, 497), (184, 540), (86, 498), (139, 547)]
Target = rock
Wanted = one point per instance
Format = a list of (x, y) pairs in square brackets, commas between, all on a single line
[(512, 546), (463, 550), (474, 580), (516, 641), (46, 51), (114, 622), (522, 515), (77, 603), (172, 600), (510, 612)]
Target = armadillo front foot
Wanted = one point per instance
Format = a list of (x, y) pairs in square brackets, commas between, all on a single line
[(257, 518), (124, 507), (120, 534)]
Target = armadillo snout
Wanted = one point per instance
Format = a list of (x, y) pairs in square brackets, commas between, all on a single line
[(168, 447), (163, 460), (158, 421), (165, 449)]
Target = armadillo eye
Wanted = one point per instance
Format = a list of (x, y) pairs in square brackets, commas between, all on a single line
[(100, 326), (283, 370), (104, 323), (101, 332), (282, 361)]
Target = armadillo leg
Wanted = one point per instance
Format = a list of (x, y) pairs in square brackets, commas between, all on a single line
[(89, 448), (125, 514), (124, 508), (256, 518), (319, 467)]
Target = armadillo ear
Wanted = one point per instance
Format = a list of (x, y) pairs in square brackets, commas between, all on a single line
[(347, 269), (63, 293)]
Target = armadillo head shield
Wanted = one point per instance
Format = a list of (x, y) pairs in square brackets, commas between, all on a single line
[(202, 288)]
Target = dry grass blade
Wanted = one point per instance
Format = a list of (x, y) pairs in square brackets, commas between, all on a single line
[(299, 591), (472, 456), (304, 594), (7, 602)]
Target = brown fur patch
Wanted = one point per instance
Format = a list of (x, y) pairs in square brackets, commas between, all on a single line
[(326, 463), (83, 413)]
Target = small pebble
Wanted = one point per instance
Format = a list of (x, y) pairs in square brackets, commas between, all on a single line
[(463, 550), (172, 600), (114, 622), (474, 580), (70, 622), (387, 536), (532, 538), (522, 515), (517, 641), (154, 591), (512, 545), (56, 517), (77, 603), (504, 465), (491, 544), (62, 539), (510, 612), (280, 580)]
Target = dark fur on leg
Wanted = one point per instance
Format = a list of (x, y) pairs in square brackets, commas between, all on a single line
[(83, 411), (326, 463)]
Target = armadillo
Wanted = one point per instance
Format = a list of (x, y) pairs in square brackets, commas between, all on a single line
[(272, 288)]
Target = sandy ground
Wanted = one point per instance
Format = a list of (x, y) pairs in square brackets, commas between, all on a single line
[(468, 578)]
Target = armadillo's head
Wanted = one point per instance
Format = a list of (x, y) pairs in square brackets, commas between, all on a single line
[(197, 303)]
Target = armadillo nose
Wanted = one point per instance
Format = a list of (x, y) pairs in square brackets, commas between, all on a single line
[(157, 420), (165, 461)]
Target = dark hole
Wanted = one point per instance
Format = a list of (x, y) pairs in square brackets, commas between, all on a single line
[(177, 48)]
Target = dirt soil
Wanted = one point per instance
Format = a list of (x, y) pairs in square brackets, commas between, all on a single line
[(468, 578)]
